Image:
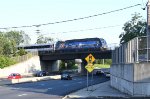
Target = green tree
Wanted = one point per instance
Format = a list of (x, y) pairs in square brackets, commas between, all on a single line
[(41, 39), (18, 36), (136, 27)]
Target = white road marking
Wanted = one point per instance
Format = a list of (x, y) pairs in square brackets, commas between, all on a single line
[(22, 95), (50, 88), (15, 88)]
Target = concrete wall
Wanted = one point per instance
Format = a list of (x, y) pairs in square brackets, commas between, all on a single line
[(50, 66), (133, 79), (26, 67)]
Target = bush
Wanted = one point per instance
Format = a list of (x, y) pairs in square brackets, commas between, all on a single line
[(6, 61)]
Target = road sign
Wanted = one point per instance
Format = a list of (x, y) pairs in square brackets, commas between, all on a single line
[(90, 58), (89, 67)]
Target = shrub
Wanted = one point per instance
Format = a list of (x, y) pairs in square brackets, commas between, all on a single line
[(6, 61)]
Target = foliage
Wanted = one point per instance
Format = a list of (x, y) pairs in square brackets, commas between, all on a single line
[(41, 39), (19, 37), (6, 61), (70, 65), (9, 41), (101, 66), (105, 61), (21, 52), (136, 27)]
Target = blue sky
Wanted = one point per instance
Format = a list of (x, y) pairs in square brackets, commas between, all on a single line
[(16, 13)]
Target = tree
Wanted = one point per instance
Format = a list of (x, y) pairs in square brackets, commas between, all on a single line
[(19, 37), (136, 27), (41, 39)]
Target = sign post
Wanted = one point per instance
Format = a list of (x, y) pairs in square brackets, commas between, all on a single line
[(90, 59)]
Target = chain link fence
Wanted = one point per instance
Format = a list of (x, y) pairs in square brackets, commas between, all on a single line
[(134, 51)]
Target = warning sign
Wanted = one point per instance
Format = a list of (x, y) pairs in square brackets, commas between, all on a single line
[(90, 58)]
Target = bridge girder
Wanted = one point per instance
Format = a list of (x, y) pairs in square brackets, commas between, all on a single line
[(76, 55)]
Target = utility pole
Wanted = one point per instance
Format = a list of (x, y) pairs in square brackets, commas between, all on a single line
[(148, 29)]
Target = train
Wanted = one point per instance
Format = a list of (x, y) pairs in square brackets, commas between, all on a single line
[(74, 45)]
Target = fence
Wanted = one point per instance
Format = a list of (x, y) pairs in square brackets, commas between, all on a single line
[(25, 57), (133, 51)]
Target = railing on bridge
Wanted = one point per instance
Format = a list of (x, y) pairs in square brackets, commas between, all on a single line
[(132, 52)]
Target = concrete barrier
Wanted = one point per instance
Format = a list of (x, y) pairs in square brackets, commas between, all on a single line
[(34, 79)]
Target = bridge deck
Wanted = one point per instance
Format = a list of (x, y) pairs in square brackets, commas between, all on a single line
[(75, 55)]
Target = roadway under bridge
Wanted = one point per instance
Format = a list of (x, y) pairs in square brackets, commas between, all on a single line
[(50, 61)]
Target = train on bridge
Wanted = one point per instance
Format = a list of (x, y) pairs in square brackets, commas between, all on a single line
[(87, 44)]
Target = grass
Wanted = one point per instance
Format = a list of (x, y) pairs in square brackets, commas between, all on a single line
[(102, 66)]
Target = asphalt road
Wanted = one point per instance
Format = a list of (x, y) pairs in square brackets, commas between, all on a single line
[(114, 98), (51, 89)]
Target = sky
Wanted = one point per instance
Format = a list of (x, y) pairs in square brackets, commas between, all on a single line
[(16, 13)]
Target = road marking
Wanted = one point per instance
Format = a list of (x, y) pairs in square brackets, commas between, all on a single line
[(50, 88), (22, 95), (15, 88)]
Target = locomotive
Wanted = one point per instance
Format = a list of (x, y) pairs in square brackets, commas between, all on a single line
[(87, 44)]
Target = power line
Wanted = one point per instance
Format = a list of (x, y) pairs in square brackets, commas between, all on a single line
[(81, 18), (85, 29)]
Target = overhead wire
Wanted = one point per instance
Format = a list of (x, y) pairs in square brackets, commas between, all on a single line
[(75, 19), (90, 29)]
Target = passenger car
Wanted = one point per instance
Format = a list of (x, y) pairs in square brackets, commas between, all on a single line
[(98, 71), (66, 76), (41, 74), (14, 76), (107, 74)]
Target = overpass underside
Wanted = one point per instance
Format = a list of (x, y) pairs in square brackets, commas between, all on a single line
[(75, 55)]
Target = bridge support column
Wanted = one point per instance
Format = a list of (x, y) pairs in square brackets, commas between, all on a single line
[(50, 66), (83, 70), (55, 65), (78, 61)]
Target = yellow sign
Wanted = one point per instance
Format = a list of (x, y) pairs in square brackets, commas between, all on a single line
[(90, 58), (89, 67)]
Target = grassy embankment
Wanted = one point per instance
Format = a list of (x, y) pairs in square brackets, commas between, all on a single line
[(102, 66)]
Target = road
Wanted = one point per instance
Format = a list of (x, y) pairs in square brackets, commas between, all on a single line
[(115, 98), (51, 89)]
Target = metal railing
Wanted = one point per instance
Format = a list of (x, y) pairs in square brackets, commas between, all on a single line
[(133, 51)]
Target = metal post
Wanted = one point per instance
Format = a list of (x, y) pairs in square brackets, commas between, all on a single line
[(92, 82), (137, 50), (87, 81), (148, 25)]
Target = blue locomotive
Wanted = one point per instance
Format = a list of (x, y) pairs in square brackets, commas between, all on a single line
[(87, 44)]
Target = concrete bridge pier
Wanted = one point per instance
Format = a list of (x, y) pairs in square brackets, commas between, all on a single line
[(50, 66), (81, 66), (83, 70)]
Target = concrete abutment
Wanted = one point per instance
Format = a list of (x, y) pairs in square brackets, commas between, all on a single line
[(133, 79)]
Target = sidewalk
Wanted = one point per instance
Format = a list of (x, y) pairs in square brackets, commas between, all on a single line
[(97, 91)]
